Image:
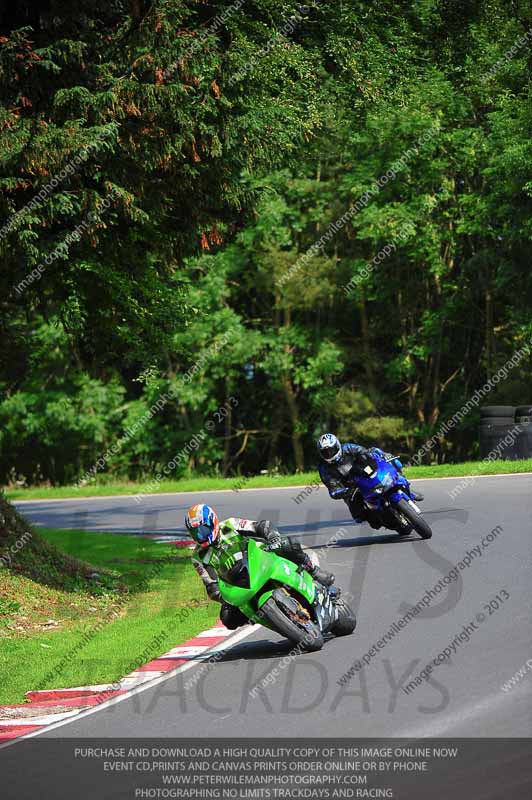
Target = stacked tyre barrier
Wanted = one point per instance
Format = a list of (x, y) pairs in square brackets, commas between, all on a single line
[(523, 417), (506, 432)]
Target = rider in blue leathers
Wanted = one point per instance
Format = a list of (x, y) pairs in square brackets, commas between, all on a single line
[(336, 462)]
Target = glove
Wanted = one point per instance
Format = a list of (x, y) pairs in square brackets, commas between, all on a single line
[(271, 534), (213, 591), (376, 451), (274, 540)]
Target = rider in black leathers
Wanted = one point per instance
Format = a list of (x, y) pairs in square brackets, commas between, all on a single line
[(336, 462)]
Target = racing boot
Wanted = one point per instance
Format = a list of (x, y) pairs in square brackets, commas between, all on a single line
[(320, 575), (416, 496)]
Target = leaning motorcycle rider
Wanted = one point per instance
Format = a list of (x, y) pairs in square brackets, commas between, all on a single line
[(336, 463), (215, 539)]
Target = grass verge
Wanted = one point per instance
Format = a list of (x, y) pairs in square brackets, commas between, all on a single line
[(205, 484), (53, 637)]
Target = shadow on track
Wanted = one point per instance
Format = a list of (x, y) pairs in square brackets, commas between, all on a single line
[(363, 541), (263, 649), (303, 532)]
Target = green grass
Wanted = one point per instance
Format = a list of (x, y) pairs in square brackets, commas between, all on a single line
[(165, 605), (204, 484), (470, 468)]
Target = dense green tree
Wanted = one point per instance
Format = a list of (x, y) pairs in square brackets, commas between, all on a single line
[(224, 142)]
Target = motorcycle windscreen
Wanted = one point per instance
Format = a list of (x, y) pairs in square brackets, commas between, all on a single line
[(365, 472), (386, 474)]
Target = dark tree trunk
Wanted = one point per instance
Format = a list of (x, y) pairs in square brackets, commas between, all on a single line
[(293, 410)]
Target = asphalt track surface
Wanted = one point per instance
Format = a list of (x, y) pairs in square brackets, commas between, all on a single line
[(384, 576)]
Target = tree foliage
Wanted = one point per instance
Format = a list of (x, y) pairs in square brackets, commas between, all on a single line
[(220, 155)]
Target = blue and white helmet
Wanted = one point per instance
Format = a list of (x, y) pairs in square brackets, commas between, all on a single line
[(202, 523), (329, 448)]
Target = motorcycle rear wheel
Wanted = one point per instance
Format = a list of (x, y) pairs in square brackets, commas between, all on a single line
[(308, 634)]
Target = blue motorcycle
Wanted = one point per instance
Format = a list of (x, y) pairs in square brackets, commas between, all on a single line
[(386, 495)]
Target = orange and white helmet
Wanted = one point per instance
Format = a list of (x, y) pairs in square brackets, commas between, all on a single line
[(202, 523)]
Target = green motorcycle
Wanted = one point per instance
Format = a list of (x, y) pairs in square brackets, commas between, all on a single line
[(271, 591)]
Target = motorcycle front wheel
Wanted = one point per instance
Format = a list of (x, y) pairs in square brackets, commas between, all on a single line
[(403, 510)]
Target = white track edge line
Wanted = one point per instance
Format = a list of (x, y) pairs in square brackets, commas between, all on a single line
[(251, 489), (22, 721), (225, 645)]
